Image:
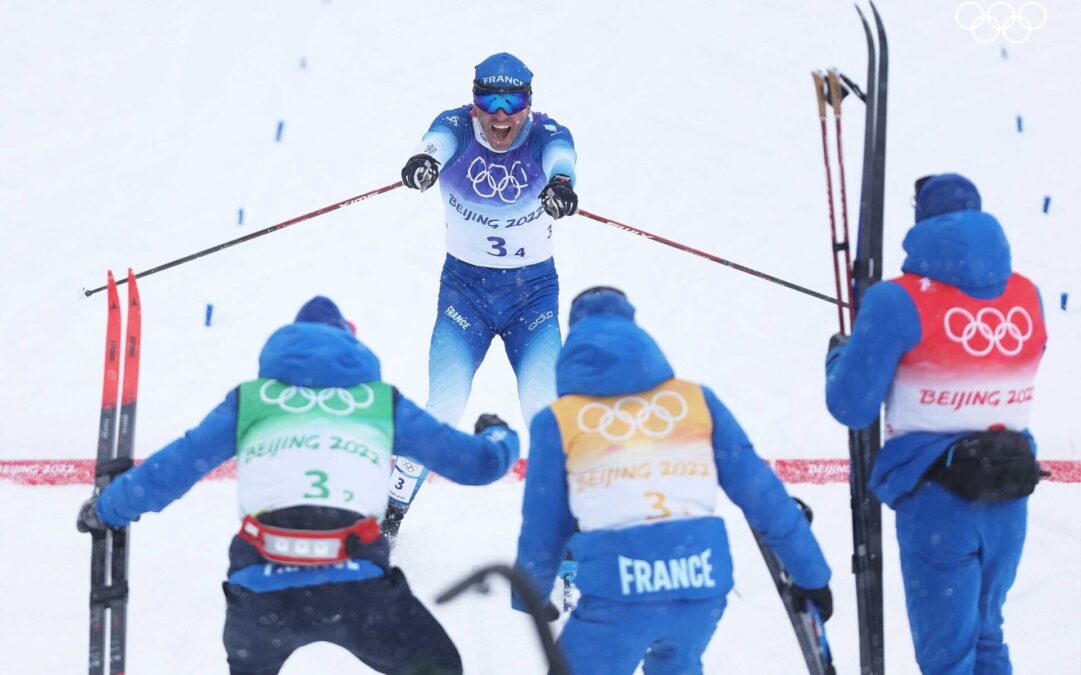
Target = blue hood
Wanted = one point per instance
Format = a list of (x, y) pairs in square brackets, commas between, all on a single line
[(967, 249), (608, 355), (317, 355)]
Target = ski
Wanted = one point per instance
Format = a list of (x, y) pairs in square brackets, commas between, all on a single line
[(806, 622), (109, 551), (864, 444)]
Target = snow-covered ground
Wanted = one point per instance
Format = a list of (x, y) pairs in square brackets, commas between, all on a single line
[(131, 134)]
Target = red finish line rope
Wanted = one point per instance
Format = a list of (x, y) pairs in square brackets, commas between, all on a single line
[(816, 471)]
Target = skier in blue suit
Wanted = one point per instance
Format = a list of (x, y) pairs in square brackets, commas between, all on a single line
[(506, 174), (951, 347), (623, 470), (313, 437)]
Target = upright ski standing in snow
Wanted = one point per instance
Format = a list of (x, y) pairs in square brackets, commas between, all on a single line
[(109, 552), (863, 445), (865, 270)]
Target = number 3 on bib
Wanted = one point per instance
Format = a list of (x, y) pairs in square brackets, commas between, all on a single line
[(499, 246), (319, 483), (658, 505)]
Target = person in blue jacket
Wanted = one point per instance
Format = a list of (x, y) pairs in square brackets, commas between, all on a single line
[(623, 470), (506, 173), (952, 347), (313, 438)]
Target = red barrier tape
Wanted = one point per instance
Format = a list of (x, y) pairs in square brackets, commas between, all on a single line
[(816, 471)]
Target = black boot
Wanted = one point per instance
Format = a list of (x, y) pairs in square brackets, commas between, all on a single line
[(393, 520)]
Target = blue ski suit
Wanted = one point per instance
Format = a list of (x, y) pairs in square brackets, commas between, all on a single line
[(499, 277), (958, 558), (623, 472), (362, 604)]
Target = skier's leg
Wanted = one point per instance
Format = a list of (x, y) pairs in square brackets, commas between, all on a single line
[(533, 342), (608, 637), (258, 636), (940, 564), (689, 626), (384, 625), (1003, 529), (460, 339)]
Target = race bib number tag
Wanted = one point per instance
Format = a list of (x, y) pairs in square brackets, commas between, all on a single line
[(404, 478)]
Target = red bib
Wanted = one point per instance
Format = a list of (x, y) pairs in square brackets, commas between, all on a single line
[(975, 365)]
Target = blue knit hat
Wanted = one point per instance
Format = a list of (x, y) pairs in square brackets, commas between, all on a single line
[(601, 300), (945, 193), (502, 71), (321, 309)]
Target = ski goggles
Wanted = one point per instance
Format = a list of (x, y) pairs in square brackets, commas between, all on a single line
[(510, 101)]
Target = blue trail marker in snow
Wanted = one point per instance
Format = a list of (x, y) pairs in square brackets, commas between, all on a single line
[(281, 126), (1005, 54), (1020, 125), (1063, 300), (1046, 204), (240, 216), (209, 313)]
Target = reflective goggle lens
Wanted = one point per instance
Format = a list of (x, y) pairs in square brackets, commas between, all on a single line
[(509, 102)]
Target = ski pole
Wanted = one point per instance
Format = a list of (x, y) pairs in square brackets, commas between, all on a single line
[(837, 94), (523, 588), (240, 240), (710, 256), (820, 94)]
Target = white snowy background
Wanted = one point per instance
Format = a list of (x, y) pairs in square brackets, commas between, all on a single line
[(131, 134)]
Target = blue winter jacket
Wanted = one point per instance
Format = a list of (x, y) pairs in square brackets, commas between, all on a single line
[(311, 355), (609, 355), (966, 249)]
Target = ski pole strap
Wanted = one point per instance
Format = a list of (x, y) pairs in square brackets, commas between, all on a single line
[(112, 468), (306, 547)]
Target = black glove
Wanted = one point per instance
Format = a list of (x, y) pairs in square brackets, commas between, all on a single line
[(488, 420), (836, 340), (420, 172), (558, 197), (822, 599), (89, 520), (550, 612)]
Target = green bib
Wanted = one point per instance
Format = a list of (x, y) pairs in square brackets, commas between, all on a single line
[(328, 446)]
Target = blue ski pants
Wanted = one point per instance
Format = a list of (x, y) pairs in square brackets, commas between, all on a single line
[(958, 560), (521, 306), (379, 621), (667, 638)]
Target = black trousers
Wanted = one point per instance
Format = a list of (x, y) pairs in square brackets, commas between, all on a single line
[(379, 621)]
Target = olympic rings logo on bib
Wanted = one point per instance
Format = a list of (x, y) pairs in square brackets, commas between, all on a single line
[(990, 330), (655, 418), (332, 400), (490, 180)]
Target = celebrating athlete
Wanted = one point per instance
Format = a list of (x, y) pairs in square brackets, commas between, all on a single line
[(952, 346), (313, 438), (506, 174)]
